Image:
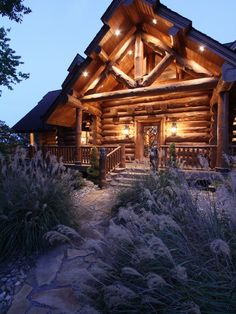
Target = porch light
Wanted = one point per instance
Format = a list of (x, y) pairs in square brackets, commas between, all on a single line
[(202, 48), (174, 129), (126, 131), (154, 21), (117, 32), (85, 74)]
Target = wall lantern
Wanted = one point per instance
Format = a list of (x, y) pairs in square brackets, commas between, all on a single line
[(126, 131), (174, 128)]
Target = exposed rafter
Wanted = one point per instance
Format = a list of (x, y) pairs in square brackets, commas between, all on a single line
[(122, 77), (158, 70), (188, 66)]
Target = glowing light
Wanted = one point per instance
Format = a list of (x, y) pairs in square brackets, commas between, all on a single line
[(202, 48), (154, 21), (85, 73), (173, 128), (126, 131), (117, 32), (130, 52)]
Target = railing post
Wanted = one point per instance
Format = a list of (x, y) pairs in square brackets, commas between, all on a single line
[(102, 167), (122, 164), (31, 151)]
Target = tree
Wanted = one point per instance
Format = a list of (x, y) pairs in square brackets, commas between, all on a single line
[(9, 61)]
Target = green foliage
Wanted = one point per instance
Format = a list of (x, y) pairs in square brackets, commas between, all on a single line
[(9, 61), (164, 253), (9, 140), (172, 160), (35, 196), (93, 170), (13, 9)]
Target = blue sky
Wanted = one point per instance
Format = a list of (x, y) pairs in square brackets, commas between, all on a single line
[(49, 38)]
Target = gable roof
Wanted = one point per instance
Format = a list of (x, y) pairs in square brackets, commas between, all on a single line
[(32, 121)]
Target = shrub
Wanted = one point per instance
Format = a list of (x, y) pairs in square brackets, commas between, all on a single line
[(93, 170), (35, 196), (164, 254)]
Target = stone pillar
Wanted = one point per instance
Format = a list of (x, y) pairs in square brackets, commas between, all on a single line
[(78, 134), (222, 131)]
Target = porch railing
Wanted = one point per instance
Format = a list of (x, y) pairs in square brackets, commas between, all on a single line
[(189, 157), (71, 155)]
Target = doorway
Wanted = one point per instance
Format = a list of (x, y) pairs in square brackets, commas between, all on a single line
[(148, 134)]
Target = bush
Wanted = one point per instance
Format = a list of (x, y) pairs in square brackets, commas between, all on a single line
[(165, 254), (35, 196), (93, 170)]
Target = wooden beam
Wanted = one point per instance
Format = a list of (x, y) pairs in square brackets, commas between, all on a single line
[(122, 77), (97, 82), (188, 66), (185, 86), (78, 133), (184, 101), (158, 70), (76, 103), (174, 33), (222, 130), (138, 58)]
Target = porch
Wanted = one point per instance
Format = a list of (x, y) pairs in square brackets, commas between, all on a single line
[(199, 157)]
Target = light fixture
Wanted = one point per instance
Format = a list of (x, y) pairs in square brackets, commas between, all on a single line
[(202, 48), (117, 32), (174, 129), (126, 131), (154, 21), (85, 74), (130, 52)]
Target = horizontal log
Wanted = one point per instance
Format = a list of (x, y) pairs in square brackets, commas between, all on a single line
[(76, 103), (191, 139), (137, 100), (186, 101), (183, 86)]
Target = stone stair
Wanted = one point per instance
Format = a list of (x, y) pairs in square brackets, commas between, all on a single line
[(126, 177)]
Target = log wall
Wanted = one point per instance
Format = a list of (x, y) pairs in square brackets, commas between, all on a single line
[(48, 138), (192, 115)]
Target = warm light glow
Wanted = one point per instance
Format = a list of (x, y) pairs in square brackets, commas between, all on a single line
[(117, 32), (126, 131), (154, 21), (130, 52), (173, 129), (85, 73), (202, 48)]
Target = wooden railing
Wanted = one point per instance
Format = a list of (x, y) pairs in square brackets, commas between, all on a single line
[(70, 155), (189, 157), (110, 161), (232, 150)]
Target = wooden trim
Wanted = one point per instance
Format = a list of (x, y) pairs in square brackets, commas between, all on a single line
[(158, 70), (185, 86)]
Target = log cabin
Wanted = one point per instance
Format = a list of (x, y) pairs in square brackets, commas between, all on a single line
[(149, 78)]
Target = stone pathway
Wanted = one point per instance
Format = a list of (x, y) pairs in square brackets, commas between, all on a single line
[(48, 288)]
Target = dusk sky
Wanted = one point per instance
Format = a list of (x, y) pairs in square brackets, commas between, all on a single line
[(49, 38)]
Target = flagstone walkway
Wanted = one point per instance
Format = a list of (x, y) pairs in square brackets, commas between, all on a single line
[(48, 288)]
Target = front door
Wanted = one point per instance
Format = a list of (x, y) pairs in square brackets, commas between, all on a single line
[(148, 135), (150, 138)]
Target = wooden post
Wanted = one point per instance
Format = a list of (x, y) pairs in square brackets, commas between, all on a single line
[(102, 167), (139, 149), (78, 134), (32, 139), (222, 130), (138, 58), (122, 164)]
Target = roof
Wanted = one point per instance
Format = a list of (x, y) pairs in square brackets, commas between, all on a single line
[(32, 121)]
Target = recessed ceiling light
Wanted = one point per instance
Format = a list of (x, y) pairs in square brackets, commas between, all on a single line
[(85, 73), (117, 32), (202, 48), (130, 52), (154, 21)]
